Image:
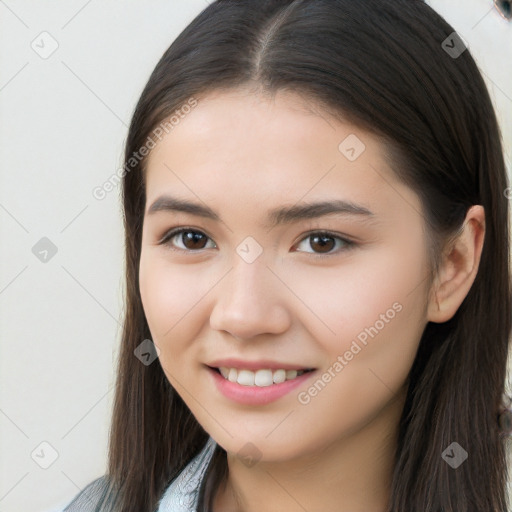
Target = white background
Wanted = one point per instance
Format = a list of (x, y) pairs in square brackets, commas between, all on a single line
[(63, 124)]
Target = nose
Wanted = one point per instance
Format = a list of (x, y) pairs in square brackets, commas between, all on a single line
[(250, 300)]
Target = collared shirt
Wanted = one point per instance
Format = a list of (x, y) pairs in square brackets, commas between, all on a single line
[(182, 494)]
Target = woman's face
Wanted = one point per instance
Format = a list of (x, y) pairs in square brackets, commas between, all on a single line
[(272, 289)]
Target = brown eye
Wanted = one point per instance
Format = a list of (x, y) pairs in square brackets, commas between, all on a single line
[(324, 243), (190, 239), (193, 239)]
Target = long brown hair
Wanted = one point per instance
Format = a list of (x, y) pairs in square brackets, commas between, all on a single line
[(385, 66)]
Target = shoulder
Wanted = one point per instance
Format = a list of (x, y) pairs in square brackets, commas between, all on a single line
[(88, 499), (180, 496)]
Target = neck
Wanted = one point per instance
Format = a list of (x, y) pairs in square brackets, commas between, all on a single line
[(352, 474)]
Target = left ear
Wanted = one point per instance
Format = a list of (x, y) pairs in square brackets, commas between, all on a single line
[(459, 268)]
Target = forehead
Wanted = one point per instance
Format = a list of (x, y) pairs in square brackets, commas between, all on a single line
[(268, 150), (242, 123)]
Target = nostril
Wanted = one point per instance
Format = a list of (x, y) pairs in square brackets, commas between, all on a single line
[(504, 8)]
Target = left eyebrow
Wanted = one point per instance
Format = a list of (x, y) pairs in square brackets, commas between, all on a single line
[(276, 216)]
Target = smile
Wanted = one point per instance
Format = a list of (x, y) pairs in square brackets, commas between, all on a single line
[(256, 387)]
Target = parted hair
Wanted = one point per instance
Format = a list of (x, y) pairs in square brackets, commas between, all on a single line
[(384, 66)]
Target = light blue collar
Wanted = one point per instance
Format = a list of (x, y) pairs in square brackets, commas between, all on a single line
[(183, 492)]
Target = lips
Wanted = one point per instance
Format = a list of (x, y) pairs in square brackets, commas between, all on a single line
[(255, 394)]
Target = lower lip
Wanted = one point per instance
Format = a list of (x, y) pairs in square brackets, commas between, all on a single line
[(256, 395)]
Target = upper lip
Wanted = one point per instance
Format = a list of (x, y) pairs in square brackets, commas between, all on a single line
[(256, 365)]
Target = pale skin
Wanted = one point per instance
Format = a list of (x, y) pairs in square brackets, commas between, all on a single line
[(241, 155)]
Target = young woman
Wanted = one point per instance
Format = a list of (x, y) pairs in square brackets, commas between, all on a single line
[(317, 270)]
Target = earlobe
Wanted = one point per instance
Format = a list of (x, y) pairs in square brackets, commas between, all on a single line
[(459, 268)]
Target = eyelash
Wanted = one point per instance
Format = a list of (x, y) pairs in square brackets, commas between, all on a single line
[(349, 244)]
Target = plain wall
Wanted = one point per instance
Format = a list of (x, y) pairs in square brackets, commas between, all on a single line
[(63, 124)]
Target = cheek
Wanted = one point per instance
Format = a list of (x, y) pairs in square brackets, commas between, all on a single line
[(374, 301), (165, 294), (376, 310), (172, 297)]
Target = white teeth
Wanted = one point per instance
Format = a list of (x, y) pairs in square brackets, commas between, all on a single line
[(279, 376), (261, 378), (245, 378)]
